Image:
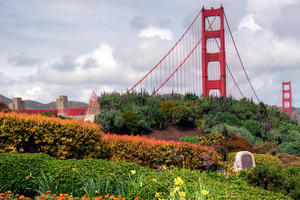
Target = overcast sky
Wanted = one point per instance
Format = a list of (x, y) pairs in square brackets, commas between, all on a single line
[(72, 47)]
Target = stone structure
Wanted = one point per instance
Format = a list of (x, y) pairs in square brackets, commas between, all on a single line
[(243, 160), (93, 109), (17, 104), (62, 105)]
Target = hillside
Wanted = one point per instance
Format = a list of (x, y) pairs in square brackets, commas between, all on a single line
[(156, 116), (30, 104)]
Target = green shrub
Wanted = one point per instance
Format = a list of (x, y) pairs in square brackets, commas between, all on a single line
[(131, 122), (260, 160), (270, 178), (252, 126), (290, 148), (54, 136), (239, 131), (180, 115), (21, 173), (286, 181), (77, 177), (167, 107), (190, 139)]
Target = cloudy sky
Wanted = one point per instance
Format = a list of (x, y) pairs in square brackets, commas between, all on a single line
[(71, 47)]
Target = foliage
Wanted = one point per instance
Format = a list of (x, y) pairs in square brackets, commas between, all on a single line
[(211, 138), (108, 177), (235, 143), (270, 178), (290, 148), (154, 153), (131, 122), (190, 139), (54, 136), (254, 122), (239, 131), (265, 148), (4, 108), (167, 108), (260, 160)]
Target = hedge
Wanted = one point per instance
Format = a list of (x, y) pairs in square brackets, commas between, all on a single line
[(260, 160), (154, 153), (57, 137), (19, 172)]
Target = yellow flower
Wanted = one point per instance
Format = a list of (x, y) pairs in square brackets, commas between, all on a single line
[(157, 194), (176, 189), (164, 167), (154, 180), (182, 194), (204, 192), (178, 181), (172, 194), (132, 171)]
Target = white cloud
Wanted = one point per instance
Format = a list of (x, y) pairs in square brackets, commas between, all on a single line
[(106, 70), (249, 23), (152, 31)]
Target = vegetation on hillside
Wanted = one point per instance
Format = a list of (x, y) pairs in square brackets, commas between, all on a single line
[(258, 123)]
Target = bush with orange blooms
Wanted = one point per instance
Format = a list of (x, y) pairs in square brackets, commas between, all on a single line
[(60, 138), (154, 153)]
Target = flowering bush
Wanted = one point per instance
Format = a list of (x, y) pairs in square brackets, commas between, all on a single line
[(154, 153), (56, 137)]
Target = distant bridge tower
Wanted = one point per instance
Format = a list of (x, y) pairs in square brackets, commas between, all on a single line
[(208, 58), (287, 98)]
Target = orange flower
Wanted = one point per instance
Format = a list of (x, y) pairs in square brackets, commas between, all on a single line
[(2, 197), (2, 194), (137, 198), (21, 197), (99, 198), (49, 191), (9, 192), (107, 195), (61, 195)]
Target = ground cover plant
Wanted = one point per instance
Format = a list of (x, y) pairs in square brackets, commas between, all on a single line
[(36, 174)]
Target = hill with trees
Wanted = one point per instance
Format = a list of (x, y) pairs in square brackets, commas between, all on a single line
[(257, 123)]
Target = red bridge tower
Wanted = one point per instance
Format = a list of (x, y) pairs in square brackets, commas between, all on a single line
[(287, 98), (207, 57)]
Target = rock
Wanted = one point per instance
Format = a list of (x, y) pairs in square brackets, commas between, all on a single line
[(243, 160)]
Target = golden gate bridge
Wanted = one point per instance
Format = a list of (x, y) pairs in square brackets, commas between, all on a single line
[(199, 63)]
